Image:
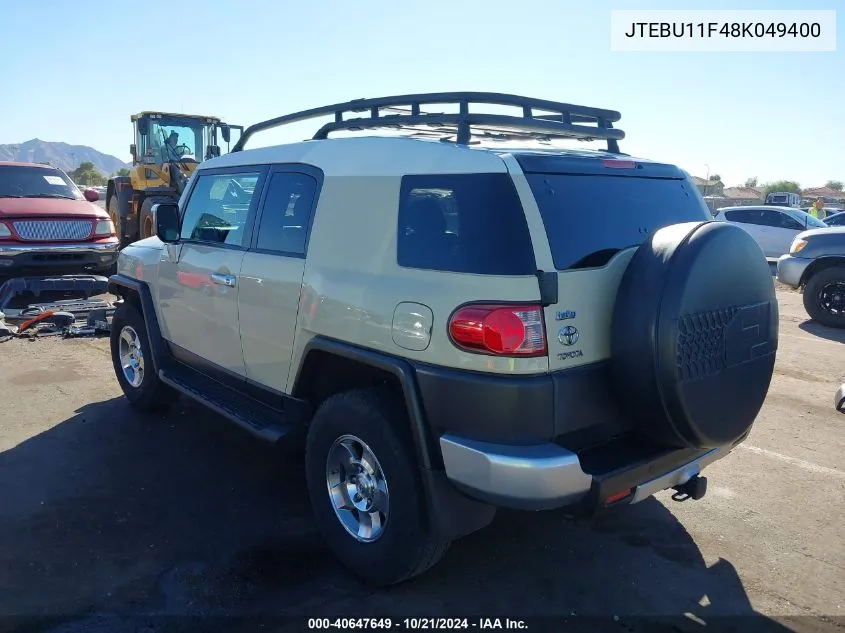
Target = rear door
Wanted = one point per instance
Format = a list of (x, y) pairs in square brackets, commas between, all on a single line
[(594, 214), (750, 220), (783, 229), (271, 274)]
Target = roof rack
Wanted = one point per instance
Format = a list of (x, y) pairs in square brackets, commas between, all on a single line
[(566, 121)]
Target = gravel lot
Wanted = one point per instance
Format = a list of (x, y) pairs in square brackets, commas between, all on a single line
[(111, 521)]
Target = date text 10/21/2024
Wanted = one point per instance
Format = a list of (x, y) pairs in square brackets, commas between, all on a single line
[(416, 624)]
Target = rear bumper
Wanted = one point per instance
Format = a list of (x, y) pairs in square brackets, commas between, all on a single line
[(791, 269), (77, 256), (546, 476)]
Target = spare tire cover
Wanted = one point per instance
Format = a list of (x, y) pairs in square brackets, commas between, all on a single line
[(694, 334)]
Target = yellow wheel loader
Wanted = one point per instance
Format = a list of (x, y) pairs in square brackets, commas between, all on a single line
[(166, 151)]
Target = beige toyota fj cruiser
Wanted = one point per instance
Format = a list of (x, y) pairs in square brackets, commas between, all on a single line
[(459, 314)]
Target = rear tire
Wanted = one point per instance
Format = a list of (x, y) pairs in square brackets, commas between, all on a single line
[(824, 297), (130, 346), (399, 543)]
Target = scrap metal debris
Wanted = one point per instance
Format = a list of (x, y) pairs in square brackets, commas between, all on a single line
[(31, 307)]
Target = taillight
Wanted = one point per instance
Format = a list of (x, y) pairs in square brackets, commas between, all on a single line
[(619, 164), (510, 330)]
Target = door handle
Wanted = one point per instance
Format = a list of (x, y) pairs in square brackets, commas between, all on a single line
[(223, 280)]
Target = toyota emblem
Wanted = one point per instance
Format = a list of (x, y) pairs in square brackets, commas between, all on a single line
[(568, 335)]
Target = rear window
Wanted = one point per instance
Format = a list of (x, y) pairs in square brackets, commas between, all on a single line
[(465, 223), (591, 218)]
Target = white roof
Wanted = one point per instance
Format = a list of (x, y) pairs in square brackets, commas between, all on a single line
[(370, 156)]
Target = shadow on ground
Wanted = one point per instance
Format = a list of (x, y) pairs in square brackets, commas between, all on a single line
[(111, 519), (829, 333)]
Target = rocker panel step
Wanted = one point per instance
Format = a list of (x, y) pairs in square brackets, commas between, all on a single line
[(258, 419)]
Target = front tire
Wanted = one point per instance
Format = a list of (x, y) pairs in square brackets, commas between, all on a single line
[(365, 490), (114, 213), (824, 297), (130, 352)]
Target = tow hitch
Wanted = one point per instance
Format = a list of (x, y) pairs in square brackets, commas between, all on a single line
[(695, 488)]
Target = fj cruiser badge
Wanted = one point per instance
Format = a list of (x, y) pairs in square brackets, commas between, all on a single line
[(564, 315), (568, 335)]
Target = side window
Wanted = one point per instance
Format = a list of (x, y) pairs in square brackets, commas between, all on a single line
[(739, 215), (466, 223), (218, 208), (287, 213), (786, 221)]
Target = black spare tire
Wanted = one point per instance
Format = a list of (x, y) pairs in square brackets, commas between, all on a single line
[(694, 334)]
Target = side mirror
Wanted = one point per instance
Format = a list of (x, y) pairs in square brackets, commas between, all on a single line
[(133, 149), (225, 132), (166, 220), (91, 195)]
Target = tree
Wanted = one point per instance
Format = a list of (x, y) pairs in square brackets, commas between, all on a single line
[(781, 185), (122, 172), (834, 184), (716, 178), (87, 175), (751, 182)]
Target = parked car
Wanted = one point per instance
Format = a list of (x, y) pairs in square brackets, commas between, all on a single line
[(837, 218), (772, 227), (48, 225), (448, 323), (816, 264)]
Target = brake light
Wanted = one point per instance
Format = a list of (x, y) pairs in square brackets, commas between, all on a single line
[(619, 164), (508, 330)]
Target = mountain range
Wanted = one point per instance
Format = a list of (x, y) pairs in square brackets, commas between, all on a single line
[(65, 157)]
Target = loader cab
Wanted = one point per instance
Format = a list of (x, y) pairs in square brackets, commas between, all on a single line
[(162, 138)]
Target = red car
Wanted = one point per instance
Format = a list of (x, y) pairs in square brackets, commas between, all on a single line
[(48, 225)]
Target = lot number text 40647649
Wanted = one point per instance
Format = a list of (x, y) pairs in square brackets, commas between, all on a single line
[(417, 624)]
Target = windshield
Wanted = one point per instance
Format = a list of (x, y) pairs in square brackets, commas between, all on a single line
[(590, 218), (805, 218), (174, 138), (20, 181)]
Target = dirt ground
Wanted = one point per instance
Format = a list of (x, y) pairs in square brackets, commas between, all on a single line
[(115, 521)]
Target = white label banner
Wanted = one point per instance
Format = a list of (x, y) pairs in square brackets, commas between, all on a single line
[(723, 31)]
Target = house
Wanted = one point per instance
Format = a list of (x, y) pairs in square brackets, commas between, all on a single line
[(744, 195), (734, 197), (708, 187), (825, 193)]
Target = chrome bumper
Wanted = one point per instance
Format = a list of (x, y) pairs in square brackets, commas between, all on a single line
[(791, 269), (83, 248), (540, 477)]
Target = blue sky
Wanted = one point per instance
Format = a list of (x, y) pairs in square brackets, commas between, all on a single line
[(74, 72)]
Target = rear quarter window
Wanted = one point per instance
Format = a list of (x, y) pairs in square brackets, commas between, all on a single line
[(590, 218), (464, 223)]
